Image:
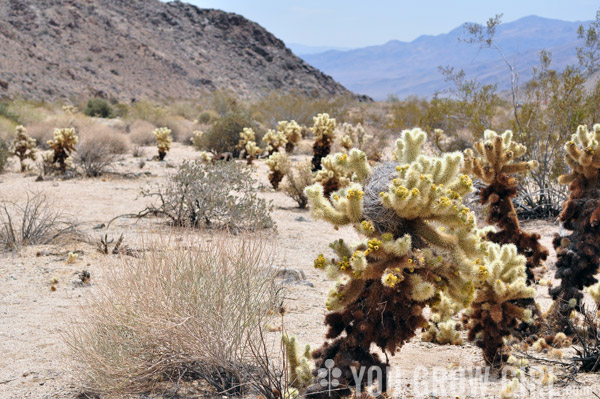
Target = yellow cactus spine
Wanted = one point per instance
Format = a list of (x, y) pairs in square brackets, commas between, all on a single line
[(252, 150), (279, 166), (163, 141), (292, 132)]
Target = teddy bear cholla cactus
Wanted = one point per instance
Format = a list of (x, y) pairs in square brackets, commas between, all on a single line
[(333, 174), (442, 329), (324, 131), (292, 132), (246, 135), (578, 253), (353, 136), (274, 139), (252, 150), (163, 141), (62, 146), (494, 163), (279, 166), (501, 284), (421, 241), (23, 147)]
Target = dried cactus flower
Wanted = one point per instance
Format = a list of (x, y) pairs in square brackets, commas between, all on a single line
[(163, 141), (62, 146), (324, 131), (279, 166), (23, 147), (578, 254)]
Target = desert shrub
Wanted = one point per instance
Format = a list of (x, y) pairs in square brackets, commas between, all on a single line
[(207, 117), (98, 107), (274, 139), (287, 106), (33, 221), (279, 166), (219, 195), (186, 310), (94, 156), (9, 114), (296, 180), (224, 134), (4, 154), (140, 132), (324, 131)]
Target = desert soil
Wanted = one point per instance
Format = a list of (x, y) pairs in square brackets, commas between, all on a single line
[(33, 317)]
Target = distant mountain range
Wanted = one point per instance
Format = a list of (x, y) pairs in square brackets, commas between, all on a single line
[(411, 68)]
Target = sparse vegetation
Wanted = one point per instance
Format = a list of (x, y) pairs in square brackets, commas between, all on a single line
[(218, 293), (62, 147), (296, 180), (99, 107), (219, 196), (32, 222)]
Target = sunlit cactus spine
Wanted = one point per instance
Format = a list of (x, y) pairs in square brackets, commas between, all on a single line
[(298, 363), (274, 140), (332, 175), (62, 147), (163, 141), (293, 134), (324, 132), (441, 328), (578, 254), (252, 150), (501, 284), (420, 242), (197, 138), (494, 161), (279, 166), (352, 136), (23, 147)]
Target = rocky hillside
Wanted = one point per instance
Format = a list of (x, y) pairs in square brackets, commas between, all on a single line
[(126, 49)]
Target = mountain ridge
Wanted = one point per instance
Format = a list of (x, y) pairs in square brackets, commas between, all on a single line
[(128, 49)]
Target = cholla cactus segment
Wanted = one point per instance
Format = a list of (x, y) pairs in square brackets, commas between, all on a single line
[(353, 136), (495, 161), (246, 135), (275, 140), (279, 166), (163, 141), (419, 242), (324, 132), (409, 146), (496, 154), (299, 365), (510, 390), (579, 252), (252, 150), (62, 146), (501, 282), (23, 147), (292, 132), (594, 292), (207, 157), (443, 333)]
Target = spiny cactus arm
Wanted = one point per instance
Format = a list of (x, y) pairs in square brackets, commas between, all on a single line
[(354, 162), (409, 146), (340, 213)]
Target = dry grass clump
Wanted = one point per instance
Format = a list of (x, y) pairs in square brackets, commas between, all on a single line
[(33, 221), (186, 309), (140, 133), (95, 155), (296, 180)]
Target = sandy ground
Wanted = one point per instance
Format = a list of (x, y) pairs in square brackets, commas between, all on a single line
[(33, 317)]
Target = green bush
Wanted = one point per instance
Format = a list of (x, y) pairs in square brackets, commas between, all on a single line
[(224, 133), (4, 154), (98, 107)]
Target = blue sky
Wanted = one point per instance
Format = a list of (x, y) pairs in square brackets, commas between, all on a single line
[(353, 23)]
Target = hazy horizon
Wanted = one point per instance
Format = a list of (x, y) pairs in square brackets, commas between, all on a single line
[(351, 24)]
